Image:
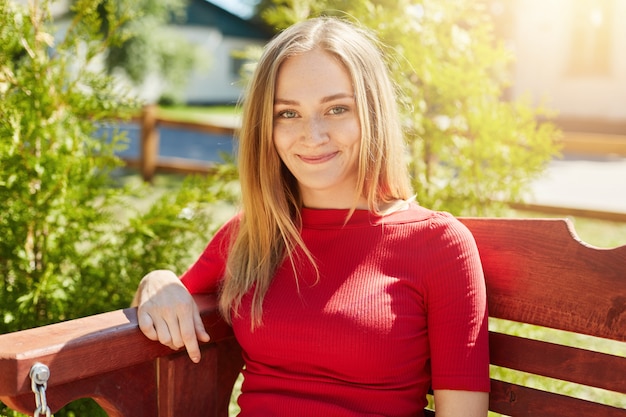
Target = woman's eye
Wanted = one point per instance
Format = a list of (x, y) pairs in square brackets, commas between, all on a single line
[(338, 110), (287, 114)]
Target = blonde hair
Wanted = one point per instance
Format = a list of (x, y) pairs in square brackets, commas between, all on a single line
[(269, 229)]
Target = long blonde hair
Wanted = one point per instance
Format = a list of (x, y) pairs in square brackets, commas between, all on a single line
[(269, 229)]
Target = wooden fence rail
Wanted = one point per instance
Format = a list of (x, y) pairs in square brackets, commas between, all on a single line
[(149, 162)]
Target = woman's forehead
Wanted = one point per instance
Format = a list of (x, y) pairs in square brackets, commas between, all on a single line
[(313, 73)]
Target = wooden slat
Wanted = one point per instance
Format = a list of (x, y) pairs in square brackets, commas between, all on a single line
[(189, 389), (515, 400), (149, 146), (556, 361), (587, 143), (537, 272)]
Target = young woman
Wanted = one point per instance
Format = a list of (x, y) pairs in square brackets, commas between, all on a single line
[(347, 298)]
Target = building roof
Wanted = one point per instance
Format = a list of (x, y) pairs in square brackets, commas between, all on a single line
[(205, 13)]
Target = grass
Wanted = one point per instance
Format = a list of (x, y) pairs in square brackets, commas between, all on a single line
[(553, 385), (197, 113)]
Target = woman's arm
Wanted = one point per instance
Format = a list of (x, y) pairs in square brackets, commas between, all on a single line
[(458, 327), (450, 403), (167, 313)]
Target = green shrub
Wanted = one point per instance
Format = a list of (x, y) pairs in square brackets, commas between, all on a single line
[(55, 183), (73, 241)]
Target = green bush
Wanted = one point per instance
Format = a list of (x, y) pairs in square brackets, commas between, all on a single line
[(73, 241), (55, 183)]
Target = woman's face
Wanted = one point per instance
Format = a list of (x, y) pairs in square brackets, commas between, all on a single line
[(316, 129)]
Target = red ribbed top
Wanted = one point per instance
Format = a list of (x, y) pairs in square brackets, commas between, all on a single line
[(400, 304)]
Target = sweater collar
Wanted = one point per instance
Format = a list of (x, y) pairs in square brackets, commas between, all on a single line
[(323, 218)]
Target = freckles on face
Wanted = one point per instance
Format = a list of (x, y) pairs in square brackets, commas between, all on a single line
[(317, 132)]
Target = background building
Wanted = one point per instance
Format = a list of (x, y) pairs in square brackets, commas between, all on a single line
[(217, 33), (571, 56), (221, 35)]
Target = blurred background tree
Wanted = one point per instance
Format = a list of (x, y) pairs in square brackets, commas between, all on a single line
[(148, 48), (471, 152)]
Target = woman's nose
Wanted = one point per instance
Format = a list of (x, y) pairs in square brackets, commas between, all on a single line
[(315, 130)]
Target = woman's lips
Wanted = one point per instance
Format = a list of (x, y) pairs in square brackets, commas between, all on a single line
[(317, 159)]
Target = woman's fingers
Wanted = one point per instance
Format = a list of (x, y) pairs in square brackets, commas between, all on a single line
[(164, 331), (188, 334), (201, 332), (146, 325), (168, 313), (168, 321)]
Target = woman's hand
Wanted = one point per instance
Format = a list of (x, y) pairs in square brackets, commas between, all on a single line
[(167, 313)]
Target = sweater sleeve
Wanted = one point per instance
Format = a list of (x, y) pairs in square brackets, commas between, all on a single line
[(457, 310), (206, 273)]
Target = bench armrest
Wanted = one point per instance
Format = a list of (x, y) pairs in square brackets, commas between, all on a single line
[(107, 358)]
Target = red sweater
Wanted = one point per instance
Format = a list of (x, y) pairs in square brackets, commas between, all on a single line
[(400, 305)]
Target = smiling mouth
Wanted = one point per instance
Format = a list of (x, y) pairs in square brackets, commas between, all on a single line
[(317, 159)]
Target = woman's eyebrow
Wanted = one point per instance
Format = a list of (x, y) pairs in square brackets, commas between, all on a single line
[(284, 101), (337, 96), (323, 100)]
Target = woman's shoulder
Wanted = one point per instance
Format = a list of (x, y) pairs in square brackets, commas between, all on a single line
[(440, 223), (412, 212)]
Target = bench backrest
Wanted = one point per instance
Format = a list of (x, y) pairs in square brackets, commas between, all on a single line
[(536, 272)]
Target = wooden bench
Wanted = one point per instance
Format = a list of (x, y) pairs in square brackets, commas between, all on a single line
[(536, 271)]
